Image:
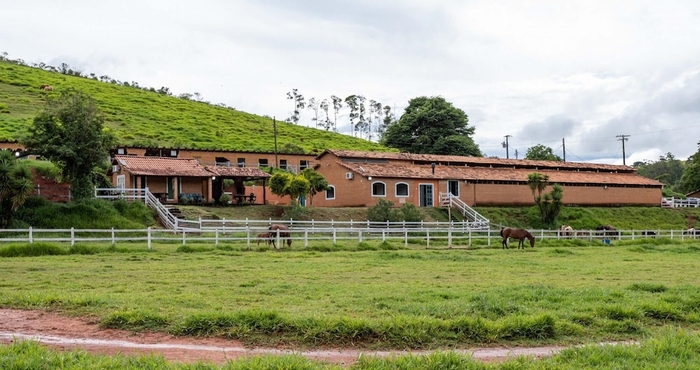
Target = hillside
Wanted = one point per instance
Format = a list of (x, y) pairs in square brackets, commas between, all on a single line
[(149, 119)]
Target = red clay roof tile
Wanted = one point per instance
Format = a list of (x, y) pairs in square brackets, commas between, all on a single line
[(494, 174), (161, 166)]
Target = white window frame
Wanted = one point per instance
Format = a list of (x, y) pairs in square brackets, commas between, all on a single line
[(379, 182), (330, 187), (121, 181), (396, 190)]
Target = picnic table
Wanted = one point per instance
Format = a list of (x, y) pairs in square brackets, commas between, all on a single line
[(240, 198)]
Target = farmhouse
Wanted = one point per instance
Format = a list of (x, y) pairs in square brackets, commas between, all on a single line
[(172, 178), (362, 178)]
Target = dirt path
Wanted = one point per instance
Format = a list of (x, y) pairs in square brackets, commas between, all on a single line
[(71, 333)]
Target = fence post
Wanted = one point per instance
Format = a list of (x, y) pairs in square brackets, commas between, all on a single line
[(359, 236), (72, 236), (488, 237), (449, 236), (632, 234), (183, 237), (383, 235), (405, 237), (334, 237), (114, 242), (216, 237), (671, 234), (278, 238), (247, 234), (427, 238), (149, 238), (542, 234), (306, 238), (470, 237), (31, 235)]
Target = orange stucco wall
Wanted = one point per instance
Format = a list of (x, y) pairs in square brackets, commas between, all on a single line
[(357, 192), (208, 158)]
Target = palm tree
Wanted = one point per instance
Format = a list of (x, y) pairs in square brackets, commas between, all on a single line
[(15, 186)]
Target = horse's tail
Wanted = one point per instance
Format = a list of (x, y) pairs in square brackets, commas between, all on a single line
[(502, 232), (532, 239)]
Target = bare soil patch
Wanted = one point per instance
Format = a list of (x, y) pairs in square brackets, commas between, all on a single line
[(67, 333)]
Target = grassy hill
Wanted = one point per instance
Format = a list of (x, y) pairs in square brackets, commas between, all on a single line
[(143, 118)]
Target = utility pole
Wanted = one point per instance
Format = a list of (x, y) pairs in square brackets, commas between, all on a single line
[(623, 138), (505, 145), (274, 126), (563, 148), (516, 153)]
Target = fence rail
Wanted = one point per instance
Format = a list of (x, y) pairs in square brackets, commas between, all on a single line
[(428, 237)]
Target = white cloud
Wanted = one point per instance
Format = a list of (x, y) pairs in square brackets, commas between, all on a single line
[(535, 70)]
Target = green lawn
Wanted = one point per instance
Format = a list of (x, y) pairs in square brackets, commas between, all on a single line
[(377, 299)]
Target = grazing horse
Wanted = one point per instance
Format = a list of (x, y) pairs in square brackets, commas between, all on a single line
[(283, 231), (692, 232), (46, 87), (264, 237), (650, 234), (606, 230), (566, 230), (519, 234)]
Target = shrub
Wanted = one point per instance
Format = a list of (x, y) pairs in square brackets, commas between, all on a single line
[(410, 213), (224, 199), (382, 212)]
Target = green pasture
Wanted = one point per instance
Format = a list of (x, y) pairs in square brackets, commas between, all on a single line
[(144, 118), (377, 298)]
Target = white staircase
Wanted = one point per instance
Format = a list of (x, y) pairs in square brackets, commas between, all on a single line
[(475, 220), (169, 220)]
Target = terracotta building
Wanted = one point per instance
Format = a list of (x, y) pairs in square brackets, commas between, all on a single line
[(362, 178)]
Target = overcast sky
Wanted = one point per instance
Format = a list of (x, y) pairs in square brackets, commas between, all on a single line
[(540, 71)]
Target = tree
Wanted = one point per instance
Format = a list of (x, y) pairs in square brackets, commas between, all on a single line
[(324, 108), (667, 169), (351, 102), (317, 183), (550, 204), (70, 133), (314, 107), (427, 122), (299, 104), (15, 186), (337, 106), (541, 153), (690, 180), (286, 184)]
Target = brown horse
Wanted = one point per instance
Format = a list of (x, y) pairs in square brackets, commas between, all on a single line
[(282, 231), (46, 87), (264, 237), (606, 230), (519, 234)]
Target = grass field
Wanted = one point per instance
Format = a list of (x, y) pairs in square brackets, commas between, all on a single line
[(143, 118), (373, 299)]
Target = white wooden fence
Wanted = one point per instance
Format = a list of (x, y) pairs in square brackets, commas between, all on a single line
[(428, 237)]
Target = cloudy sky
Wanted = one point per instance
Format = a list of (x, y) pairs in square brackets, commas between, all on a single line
[(540, 71)]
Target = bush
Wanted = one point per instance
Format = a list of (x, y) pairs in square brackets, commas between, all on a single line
[(382, 212), (410, 213), (224, 199)]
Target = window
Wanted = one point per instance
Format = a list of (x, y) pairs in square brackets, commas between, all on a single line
[(330, 192), (303, 164), (241, 162), (378, 189), (221, 161), (121, 181), (173, 153), (121, 151), (283, 164), (262, 162), (453, 187), (402, 189)]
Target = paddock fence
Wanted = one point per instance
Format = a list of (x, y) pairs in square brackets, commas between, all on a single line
[(248, 236)]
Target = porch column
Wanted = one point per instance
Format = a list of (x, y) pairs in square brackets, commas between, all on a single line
[(176, 191), (209, 189)]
